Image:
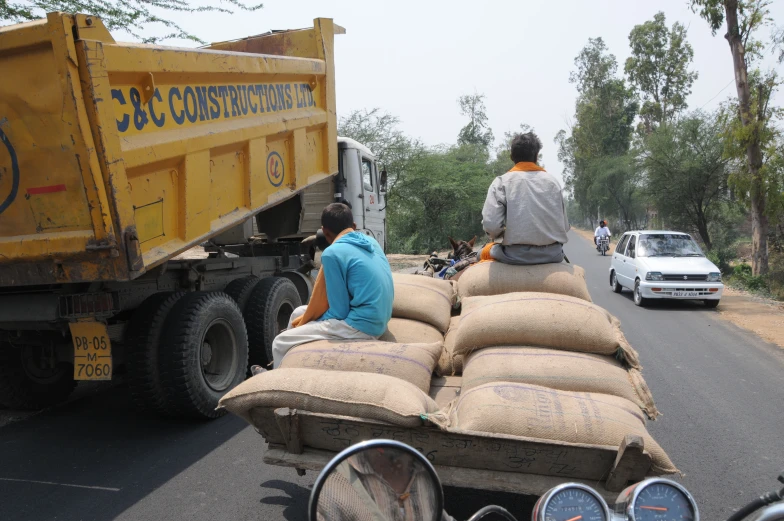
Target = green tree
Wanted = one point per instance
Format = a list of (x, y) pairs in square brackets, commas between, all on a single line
[(441, 196), (602, 128), (687, 173), (744, 19), (595, 66), (659, 68), (131, 16), (433, 192), (380, 132), (476, 132), (617, 188)]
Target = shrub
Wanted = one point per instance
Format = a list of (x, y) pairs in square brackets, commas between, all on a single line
[(722, 257), (742, 271), (742, 276)]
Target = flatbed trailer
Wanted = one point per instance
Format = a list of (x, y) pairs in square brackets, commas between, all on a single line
[(476, 460)]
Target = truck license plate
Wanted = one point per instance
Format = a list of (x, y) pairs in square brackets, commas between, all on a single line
[(685, 294), (92, 351)]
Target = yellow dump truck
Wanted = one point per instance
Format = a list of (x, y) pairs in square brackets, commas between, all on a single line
[(115, 159)]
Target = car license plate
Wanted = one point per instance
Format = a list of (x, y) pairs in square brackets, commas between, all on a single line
[(685, 294), (92, 351)]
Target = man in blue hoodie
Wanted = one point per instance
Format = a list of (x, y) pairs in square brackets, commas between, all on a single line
[(359, 289)]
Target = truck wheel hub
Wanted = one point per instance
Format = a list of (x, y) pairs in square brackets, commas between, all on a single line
[(206, 354)]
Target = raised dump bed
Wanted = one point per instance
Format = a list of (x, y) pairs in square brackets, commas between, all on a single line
[(119, 156)]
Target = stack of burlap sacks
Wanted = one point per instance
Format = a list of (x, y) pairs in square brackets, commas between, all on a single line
[(538, 360), (387, 380)]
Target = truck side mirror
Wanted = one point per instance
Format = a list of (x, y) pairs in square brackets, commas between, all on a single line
[(382, 182)]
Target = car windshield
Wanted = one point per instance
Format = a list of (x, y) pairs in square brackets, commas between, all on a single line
[(667, 245)]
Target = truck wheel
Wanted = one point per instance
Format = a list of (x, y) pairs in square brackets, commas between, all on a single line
[(25, 383), (269, 308), (204, 353), (240, 289), (143, 340)]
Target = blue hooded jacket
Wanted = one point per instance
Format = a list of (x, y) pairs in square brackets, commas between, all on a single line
[(359, 283)]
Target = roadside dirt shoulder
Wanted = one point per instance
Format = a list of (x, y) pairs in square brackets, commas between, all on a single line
[(764, 317)]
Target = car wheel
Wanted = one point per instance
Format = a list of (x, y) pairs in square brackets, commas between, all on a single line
[(617, 288), (638, 298), (711, 304)]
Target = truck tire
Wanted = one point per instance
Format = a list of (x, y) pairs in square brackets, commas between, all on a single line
[(203, 355), (143, 342), (269, 308), (25, 386), (240, 289)]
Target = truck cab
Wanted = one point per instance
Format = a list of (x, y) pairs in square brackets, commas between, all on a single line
[(359, 183), (364, 188)]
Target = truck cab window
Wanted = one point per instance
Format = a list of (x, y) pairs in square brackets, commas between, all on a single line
[(367, 174)]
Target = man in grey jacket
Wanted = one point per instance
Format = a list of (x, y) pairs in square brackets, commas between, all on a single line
[(524, 213)]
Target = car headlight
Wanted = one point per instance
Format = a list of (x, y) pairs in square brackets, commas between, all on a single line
[(654, 275), (714, 277)]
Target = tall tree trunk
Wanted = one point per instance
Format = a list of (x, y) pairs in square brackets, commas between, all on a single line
[(759, 231), (759, 222), (702, 229)]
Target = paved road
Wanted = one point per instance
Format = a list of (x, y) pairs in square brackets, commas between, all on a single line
[(721, 391)]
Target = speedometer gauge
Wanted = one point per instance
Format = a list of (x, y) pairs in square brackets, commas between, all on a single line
[(657, 500), (571, 502)]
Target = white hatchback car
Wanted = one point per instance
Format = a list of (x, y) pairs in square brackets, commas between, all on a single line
[(664, 265)]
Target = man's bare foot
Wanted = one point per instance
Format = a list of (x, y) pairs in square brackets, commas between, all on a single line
[(257, 369)]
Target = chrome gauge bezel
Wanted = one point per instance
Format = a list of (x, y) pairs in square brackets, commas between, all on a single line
[(642, 485), (544, 501)]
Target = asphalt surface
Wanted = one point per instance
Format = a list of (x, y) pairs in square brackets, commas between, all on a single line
[(720, 389)]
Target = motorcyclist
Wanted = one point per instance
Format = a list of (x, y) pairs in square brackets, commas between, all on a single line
[(601, 231)]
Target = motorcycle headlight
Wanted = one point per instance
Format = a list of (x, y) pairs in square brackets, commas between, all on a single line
[(714, 277), (654, 275)]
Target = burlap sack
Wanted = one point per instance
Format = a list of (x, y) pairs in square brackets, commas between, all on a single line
[(541, 320), (450, 364), (361, 395), (579, 372), (413, 363), (537, 412), (495, 278), (405, 331), (424, 299)]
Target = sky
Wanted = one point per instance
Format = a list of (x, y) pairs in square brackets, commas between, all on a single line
[(413, 59)]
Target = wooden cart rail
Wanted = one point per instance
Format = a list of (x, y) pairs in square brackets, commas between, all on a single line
[(307, 440)]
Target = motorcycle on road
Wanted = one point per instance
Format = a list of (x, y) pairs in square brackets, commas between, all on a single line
[(604, 245)]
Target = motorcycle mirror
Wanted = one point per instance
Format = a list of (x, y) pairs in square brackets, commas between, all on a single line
[(367, 480)]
